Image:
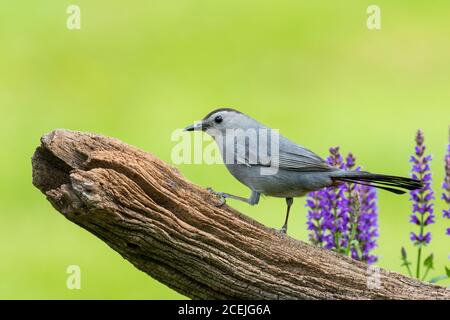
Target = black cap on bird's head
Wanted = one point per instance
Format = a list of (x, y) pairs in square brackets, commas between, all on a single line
[(221, 118)]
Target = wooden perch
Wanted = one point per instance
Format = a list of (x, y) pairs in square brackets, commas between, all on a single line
[(172, 230)]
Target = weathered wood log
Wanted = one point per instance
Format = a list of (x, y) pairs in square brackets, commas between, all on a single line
[(173, 230)]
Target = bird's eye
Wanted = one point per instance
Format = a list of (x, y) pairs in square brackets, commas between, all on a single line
[(218, 119)]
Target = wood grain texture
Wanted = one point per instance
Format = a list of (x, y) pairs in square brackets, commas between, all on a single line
[(172, 229)]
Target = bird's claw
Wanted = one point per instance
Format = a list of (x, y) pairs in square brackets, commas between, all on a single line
[(281, 232), (219, 195)]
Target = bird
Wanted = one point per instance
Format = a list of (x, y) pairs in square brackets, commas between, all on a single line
[(271, 165)]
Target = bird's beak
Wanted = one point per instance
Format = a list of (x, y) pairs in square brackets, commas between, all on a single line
[(198, 126)]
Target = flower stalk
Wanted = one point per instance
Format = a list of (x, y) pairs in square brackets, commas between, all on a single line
[(446, 186), (422, 202)]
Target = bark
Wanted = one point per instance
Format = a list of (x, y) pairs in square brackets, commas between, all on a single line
[(174, 231)]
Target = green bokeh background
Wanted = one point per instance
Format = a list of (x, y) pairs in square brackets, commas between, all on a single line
[(139, 69)]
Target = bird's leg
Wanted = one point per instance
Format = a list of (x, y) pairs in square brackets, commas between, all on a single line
[(252, 200), (289, 202)]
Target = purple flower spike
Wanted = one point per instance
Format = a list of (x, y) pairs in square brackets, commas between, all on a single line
[(317, 216), (422, 199), (337, 221), (325, 220), (335, 159), (343, 218), (350, 161), (367, 223), (446, 186)]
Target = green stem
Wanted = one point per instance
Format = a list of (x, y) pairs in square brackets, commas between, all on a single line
[(419, 254), (350, 240), (354, 214), (336, 233), (349, 196), (426, 273), (407, 263), (336, 241), (319, 225)]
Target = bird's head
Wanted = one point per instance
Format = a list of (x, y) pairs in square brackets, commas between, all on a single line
[(221, 120)]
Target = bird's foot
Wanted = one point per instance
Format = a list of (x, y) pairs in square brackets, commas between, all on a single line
[(282, 232), (219, 195)]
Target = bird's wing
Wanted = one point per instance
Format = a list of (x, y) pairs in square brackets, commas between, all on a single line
[(290, 156), (302, 160)]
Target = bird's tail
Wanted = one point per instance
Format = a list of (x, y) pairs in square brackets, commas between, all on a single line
[(393, 184)]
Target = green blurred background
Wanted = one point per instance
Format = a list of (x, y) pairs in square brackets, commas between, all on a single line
[(137, 70)]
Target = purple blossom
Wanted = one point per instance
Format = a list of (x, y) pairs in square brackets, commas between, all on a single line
[(361, 210), (319, 218), (335, 159), (343, 218), (337, 220), (316, 218), (349, 210), (422, 206), (446, 186), (421, 238), (324, 211), (367, 224)]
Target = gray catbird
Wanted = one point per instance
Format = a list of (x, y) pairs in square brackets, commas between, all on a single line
[(295, 169)]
